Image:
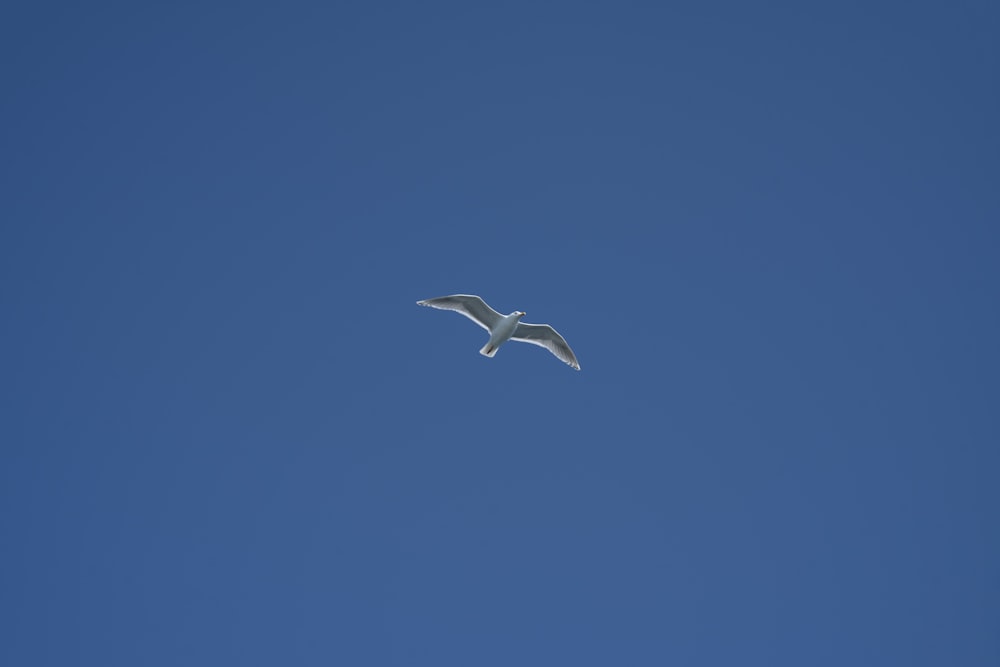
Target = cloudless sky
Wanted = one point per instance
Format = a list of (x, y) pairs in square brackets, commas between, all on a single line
[(769, 231)]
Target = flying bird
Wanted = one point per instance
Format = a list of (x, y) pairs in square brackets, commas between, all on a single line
[(504, 327)]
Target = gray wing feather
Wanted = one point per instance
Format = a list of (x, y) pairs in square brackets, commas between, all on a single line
[(547, 337), (469, 305)]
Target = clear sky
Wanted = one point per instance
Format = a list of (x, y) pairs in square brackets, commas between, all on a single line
[(768, 230)]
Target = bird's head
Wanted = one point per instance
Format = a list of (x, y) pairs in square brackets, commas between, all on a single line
[(520, 313)]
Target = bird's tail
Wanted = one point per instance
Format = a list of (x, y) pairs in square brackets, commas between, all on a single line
[(488, 350)]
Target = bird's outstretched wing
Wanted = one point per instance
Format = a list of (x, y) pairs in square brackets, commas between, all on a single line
[(469, 305), (547, 337)]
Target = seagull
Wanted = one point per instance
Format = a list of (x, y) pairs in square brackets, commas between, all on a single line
[(504, 327)]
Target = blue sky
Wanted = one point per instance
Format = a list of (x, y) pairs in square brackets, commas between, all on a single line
[(769, 232)]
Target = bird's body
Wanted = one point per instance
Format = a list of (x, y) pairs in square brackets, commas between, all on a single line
[(504, 327), (501, 333)]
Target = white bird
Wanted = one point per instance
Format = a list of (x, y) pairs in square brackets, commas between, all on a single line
[(504, 327)]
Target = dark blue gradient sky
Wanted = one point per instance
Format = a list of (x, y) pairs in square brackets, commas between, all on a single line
[(769, 231)]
